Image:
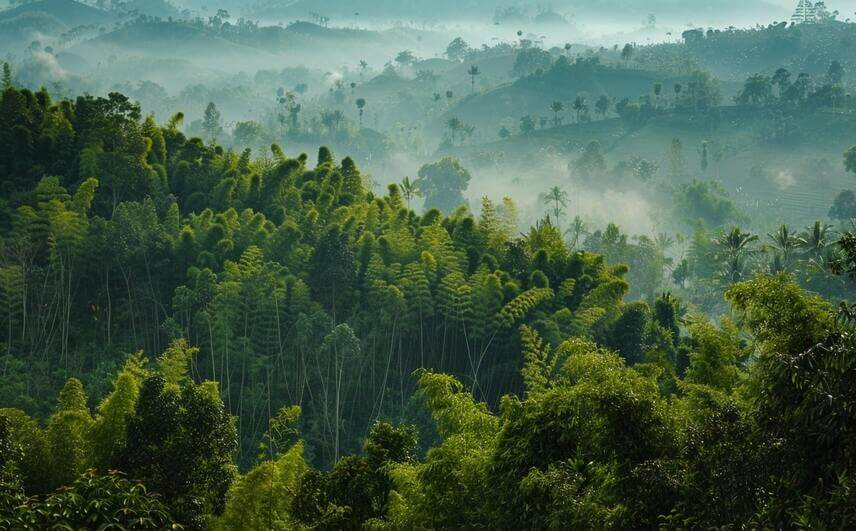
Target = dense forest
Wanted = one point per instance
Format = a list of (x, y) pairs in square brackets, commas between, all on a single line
[(200, 337), (349, 264)]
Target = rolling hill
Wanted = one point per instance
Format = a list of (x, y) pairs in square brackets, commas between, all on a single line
[(45, 21), (68, 12), (793, 181)]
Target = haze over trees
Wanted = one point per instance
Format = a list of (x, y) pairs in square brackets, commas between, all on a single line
[(366, 265)]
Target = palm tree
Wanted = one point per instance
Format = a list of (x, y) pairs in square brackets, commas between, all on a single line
[(409, 190), (815, 239), (361, 105), (556, 107), (557, 200), (332, 119), (578, 228), (579, 105), (663, 242), (473, 72), (454, 125), (784, 242), (736, 241), (732, 251), (601, 107)]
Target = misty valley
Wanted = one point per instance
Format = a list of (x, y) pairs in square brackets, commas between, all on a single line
[(384, 264)]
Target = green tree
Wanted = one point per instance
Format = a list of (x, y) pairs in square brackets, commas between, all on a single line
[(67, 432), (248, 133), (211, 122), (530, 61), (443, 184), (844, 206), (263, 497), (627, 52), (7, 81), (758, 91), (458, 49), (850, 160), (180, 443), (109, 430), (557, 200), (409, 190)]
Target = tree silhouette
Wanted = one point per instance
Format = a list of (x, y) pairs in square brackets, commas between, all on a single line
[(850, 160), (602, 105), (579, 105), (473, 71), (211, 122), (627, 52), (454, 125), (557, 200), (7, 76), (409, 190), (443, 184), (361, 105), (457, 49), (556, 107)]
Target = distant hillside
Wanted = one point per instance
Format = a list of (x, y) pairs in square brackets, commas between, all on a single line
[(67, 12), (791, 181), (172, 40), (18, 32), (533, 95), (339, 44), (44, 21), (152, 8), (736, 54), (248, 48)]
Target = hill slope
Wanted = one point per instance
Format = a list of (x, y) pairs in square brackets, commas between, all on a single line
[(68, 12)]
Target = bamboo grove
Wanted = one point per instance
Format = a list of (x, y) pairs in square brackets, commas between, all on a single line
[(264, 343)]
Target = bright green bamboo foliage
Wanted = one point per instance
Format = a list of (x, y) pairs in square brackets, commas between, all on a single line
[(27, 453), (454, 473), (68, 434), (108, 434), (262, 498)]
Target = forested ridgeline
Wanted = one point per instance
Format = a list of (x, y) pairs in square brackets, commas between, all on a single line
[(214, 339)]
